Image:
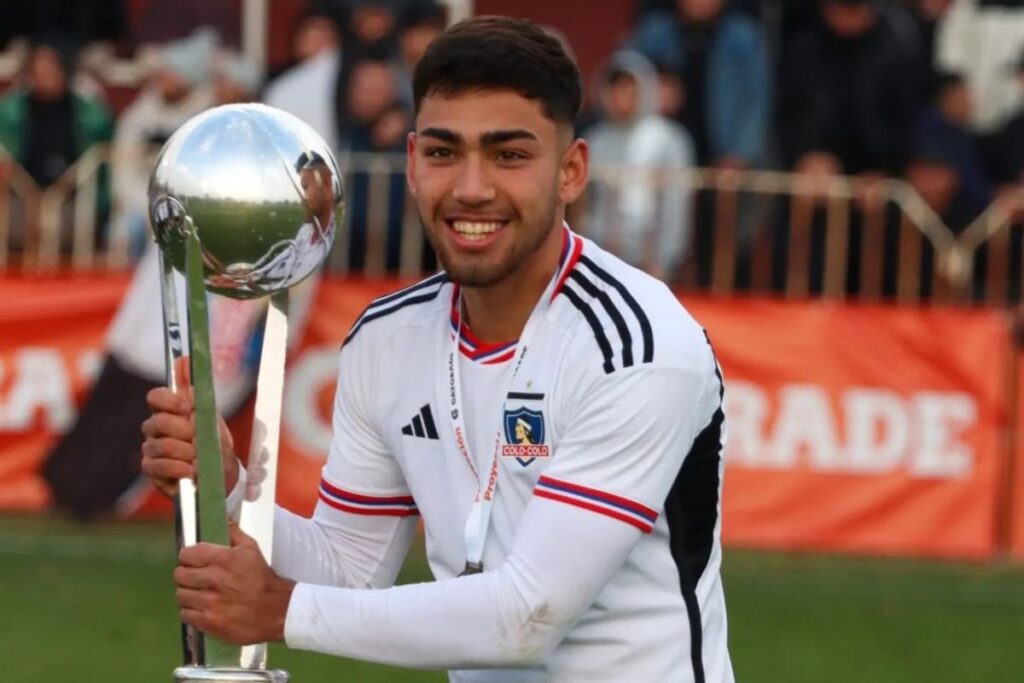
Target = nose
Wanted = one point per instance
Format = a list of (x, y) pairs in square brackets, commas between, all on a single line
[(473, 186)]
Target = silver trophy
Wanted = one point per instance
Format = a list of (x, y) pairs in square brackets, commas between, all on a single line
[(244, 202)]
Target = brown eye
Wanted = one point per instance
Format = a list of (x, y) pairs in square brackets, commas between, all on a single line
[(511, 155), (438, 153)]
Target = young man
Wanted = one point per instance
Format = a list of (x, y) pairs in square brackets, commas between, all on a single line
[(590, 553)]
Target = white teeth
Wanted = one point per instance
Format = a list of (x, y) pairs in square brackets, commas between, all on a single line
[(473, 229)]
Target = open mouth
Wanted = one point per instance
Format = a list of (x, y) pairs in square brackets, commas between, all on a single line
[(475, 230)]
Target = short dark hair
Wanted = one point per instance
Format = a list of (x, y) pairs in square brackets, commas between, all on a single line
[(309, 160), (499, 53)]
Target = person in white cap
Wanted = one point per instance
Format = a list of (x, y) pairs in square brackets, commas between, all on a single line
[(177, 89)]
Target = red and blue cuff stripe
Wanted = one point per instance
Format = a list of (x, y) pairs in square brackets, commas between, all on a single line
[(357, 503), (616, 507)]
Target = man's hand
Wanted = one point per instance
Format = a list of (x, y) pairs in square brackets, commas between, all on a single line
[(231, 593), (169, 451)]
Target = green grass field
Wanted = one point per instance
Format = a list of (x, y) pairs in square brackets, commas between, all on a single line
[(95, 604)]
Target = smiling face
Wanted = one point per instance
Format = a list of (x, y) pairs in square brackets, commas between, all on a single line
[(491, 175)]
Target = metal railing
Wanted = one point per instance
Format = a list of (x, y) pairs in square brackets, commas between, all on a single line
[(988, 244), (757, 231)]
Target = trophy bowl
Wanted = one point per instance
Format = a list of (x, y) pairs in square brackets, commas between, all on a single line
[(259, 189)]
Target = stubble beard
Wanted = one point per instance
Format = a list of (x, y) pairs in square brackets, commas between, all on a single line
[(476, 274)]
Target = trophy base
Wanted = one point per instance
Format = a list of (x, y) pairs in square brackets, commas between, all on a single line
[(198, 674)]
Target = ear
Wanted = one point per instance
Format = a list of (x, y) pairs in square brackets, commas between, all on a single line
[(410, 163), (574, 172)]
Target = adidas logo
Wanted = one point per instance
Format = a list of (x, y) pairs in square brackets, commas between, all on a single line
[(422, 425)]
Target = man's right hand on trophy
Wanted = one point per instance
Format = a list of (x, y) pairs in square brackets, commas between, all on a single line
[(169, 451)]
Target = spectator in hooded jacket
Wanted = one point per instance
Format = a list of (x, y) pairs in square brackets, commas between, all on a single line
[(641, 216)]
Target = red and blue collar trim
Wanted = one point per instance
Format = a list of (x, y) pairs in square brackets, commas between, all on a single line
[(572, 247), (473, 348), (493, 354)]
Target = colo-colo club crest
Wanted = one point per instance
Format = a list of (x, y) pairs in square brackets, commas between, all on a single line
[(524, 434)]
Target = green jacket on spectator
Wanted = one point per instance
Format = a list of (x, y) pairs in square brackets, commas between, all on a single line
[(93, 124)]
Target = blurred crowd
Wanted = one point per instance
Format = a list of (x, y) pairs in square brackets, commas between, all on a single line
[(927, 90), (931, 91), (349, 78)]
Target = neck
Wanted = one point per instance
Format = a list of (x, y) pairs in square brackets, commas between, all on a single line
[(498, 313)]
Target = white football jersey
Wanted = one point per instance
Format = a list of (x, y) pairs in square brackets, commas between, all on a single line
[(611, 428)]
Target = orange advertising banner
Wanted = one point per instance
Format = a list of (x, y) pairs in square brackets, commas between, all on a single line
[(1014, 492), (51, 340), (859, 428), (853, 428)]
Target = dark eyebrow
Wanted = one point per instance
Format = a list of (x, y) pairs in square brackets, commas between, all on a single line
[(489, 139), (498, 137), (442, 134)]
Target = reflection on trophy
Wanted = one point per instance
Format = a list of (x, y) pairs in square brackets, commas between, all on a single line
[(244, 202)]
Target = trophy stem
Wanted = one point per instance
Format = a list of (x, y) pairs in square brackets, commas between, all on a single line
[(213, 520), (257, 515), (185, 522)]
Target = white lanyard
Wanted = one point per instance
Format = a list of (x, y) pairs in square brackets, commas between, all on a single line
[(479, 519)]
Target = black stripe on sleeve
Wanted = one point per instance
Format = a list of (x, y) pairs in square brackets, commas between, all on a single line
[(381, 312), (422, 284), (645, 324), (595, 325), (428, 422), (613, 313), (417, 426)]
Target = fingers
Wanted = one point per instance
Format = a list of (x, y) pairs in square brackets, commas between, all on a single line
[(161, 425), (193, 598), (165, 473), (203, 555), (212, 623), (167, 452), (163, 400), (196, 606), (165, 461), (156, 449), (205, 578), (194, 617)]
